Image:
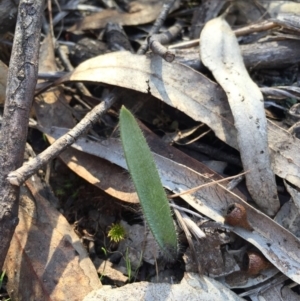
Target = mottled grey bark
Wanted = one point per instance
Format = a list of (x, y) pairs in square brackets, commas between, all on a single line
[(22, 77)]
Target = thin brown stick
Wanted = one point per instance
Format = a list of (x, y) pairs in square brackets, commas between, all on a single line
[(257, 27), (22, 78), (205, 185)]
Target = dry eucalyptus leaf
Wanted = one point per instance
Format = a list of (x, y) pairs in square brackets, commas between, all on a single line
[(192, 288), (177, 85), (277, 292), (275, 7), (190, 92), (51, 110), (240, 279), (139, 13), (278, 245), (46, 260), (289, 214), (220, 52)]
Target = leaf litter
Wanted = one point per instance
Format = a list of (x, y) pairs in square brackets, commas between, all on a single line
[(100, 161)]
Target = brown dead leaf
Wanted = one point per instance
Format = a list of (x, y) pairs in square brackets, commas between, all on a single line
[(214, 262), (101, 173), (3, 80), (139, 13), (52, 110), (46, 260)]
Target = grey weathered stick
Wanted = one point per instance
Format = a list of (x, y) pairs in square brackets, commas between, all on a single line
[(157, 41), (18, 176), (22, 77)]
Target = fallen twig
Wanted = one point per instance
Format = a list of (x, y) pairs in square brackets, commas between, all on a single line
[(18, 176), (158, 24), (157, 41)]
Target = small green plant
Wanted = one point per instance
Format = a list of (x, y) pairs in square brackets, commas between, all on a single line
[(2, 278), (104, 251), (128, 265), (60, 192), (103, 272), (116, 232), (151, 193), (65, 189)]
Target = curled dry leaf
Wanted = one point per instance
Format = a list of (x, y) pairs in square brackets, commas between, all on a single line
[(46, 260), (277, 244), (190, 92), (220, 52)]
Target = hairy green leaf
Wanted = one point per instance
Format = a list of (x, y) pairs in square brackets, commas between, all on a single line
[(147, 183)]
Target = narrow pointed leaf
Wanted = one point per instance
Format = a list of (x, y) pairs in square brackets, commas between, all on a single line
[(146, 180)]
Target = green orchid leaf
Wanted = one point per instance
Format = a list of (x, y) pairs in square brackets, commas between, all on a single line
[(148, 185)]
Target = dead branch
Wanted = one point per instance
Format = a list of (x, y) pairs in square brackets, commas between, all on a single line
[(22, 77)]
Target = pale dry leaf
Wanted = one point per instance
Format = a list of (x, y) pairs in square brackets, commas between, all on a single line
[(277, 292), (190, 92), (192, 288), (220, 53), (276, 243), (275, 7), (177, 85), (46, 260), (242, 280)]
